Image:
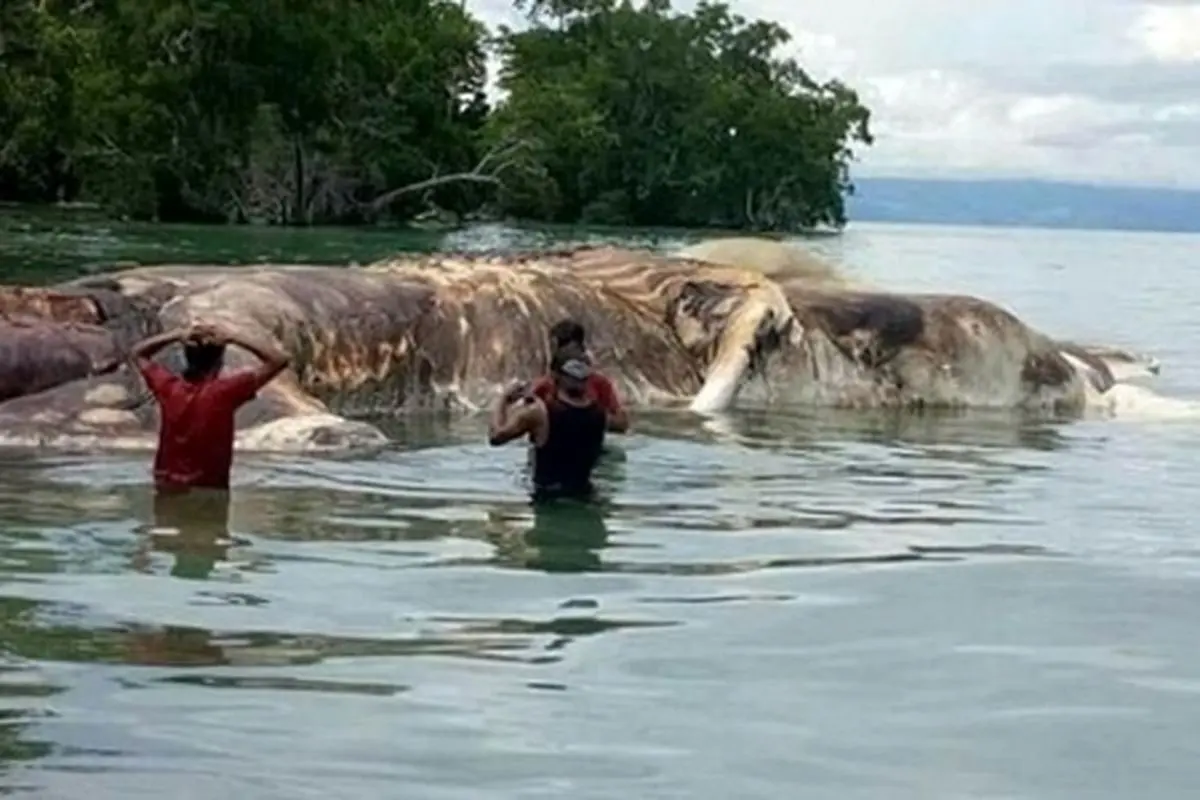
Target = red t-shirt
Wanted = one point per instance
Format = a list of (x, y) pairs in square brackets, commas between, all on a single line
[(195, 438), (599, 388)]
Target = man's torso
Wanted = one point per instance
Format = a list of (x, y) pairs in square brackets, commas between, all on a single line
[(195, 443), (599, 389), (574, 439)]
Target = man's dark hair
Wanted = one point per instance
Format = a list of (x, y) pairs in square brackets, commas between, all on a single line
[(201, 359), (566, 331)]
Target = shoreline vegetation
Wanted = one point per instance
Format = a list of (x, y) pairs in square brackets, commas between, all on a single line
[(265, 113)]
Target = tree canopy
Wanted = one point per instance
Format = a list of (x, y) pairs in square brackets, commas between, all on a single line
[(290, 112)]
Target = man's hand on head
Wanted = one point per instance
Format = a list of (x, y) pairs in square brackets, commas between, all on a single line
[(207, 333)]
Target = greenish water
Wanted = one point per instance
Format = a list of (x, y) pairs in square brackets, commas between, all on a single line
[(36, 246), (804, 604)]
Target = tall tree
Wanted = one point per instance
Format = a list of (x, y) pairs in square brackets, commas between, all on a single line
[(275, 110), (292, 112), (647, 116)]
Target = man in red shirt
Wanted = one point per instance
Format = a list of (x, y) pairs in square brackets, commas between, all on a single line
[(599, 388), (195, 437)]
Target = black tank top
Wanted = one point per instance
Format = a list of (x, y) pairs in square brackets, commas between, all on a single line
[(563, 465)]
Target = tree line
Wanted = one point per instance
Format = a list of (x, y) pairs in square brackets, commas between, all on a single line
[(294, 113)]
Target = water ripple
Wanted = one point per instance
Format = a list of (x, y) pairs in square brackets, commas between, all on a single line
[(866, 605)]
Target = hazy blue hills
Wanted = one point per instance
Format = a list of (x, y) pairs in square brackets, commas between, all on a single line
[(1024, 203)]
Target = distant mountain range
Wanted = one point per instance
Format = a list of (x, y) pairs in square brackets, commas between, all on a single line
[(1023, 203)]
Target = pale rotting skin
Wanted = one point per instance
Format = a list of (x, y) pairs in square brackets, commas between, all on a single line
[(443, 331), (931, 350), (429, 332)]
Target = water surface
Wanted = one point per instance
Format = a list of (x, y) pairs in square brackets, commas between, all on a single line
[(805, 604)]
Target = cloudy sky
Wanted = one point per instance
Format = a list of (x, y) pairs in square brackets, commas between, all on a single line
[(1099, 90)]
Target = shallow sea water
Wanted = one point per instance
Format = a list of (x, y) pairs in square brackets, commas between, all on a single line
[(801, 604)]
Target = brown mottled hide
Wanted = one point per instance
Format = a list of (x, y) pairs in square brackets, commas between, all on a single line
[(868, 328), (49, 336), (910, 345), (49, 305), (714, 310), (491, 327), (349, 332), (105, 405), (990, 329), (792, 262), (446, 329), (493, 311), (36, 354)]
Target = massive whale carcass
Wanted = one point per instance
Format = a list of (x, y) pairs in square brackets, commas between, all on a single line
[(842, 343), (444, 330), (792, 263), (414, 332), (856, 345)]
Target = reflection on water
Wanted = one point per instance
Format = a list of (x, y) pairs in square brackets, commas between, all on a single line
[(562, 536), (421, 552), (192, 526), (934, 429), (430, 551), (875, 605)]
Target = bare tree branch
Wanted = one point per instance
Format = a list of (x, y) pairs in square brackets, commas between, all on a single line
[(503, 157), (457, 177)]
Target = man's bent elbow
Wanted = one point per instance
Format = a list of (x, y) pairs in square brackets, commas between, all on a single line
[(273, 369), (618, 423)]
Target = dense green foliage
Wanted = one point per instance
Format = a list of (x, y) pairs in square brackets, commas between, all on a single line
[(297, 112)]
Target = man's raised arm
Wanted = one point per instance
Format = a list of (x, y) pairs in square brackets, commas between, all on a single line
[(149, 347), (274, 360)]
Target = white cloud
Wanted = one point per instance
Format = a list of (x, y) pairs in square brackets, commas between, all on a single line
[(1169, 32), (1100, 90)]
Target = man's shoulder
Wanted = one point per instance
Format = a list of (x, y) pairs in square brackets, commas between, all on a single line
[(534, 404), (604, 386), (542, 386), (159, 379), (236, 377), (230, 387), (151, 369)]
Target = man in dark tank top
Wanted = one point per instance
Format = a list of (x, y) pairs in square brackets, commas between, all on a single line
[(566, 428), (569, 331)]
